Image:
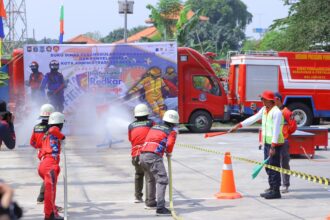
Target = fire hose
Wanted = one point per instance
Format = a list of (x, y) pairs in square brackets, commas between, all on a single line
[(65, 182), (174, 215)]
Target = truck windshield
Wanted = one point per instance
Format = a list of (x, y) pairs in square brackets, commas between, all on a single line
[(206, 84)]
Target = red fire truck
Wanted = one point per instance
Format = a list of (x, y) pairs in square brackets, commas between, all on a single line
[(303, 79), (201, 97)]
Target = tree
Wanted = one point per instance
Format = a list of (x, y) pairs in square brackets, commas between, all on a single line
[(95, 35), (307, 25), (118, 34), (225, 29), (162, 17)]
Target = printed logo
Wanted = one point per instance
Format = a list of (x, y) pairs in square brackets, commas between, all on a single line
[(35, 49), (29, 49), (49, 49), (56, 48)]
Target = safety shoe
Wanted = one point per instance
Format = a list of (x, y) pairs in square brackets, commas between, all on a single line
[(268, 190), (53, 217), (265, 193), (138, 200), (40, 200), (163, 212), (151, 206), (59, 209), (285, 189), (275, 194)]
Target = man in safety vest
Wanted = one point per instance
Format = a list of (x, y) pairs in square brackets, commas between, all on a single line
[(38, 133), (49, 168), (137, 132), (161, 138), (273, 140), (285, 155)]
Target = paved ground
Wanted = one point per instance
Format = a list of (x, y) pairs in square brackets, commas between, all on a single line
[(101, 182)]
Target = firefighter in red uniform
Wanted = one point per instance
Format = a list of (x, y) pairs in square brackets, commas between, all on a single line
[(38, 133), (49, 168), (137, 132), (161, 138), (35, 81)]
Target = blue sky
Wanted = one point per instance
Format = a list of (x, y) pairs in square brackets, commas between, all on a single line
[(83, 16)]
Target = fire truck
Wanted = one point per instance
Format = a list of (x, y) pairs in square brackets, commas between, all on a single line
[(201, 96), (303, 79)]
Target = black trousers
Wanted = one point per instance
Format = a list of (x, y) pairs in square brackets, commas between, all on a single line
[(274, 177)]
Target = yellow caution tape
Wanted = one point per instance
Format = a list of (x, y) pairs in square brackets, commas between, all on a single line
[(305, 176)]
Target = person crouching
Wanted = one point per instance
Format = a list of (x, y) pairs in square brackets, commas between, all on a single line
[(161, 138)]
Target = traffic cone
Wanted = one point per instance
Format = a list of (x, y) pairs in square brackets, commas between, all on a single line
[(228, 189), (328, 218)]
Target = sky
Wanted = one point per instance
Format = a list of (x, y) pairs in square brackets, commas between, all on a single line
[(81, 16)]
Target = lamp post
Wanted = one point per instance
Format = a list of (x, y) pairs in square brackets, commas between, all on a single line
[(125, 7)]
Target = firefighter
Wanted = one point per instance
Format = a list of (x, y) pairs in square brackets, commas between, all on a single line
[(137, 132), (152, 85), (54, 81), (273, 140), (35, 80), (171, 75), (49, 168), (161, 138), (38, 133)]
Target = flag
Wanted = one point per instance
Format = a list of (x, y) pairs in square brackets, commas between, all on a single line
[(258, 168), (2, 15), (61, 25)]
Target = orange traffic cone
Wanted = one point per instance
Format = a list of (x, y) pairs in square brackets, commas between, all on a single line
[(228, 189), (328, 218)]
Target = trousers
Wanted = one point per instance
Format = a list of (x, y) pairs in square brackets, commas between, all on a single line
[(154, 167), (49, 171)]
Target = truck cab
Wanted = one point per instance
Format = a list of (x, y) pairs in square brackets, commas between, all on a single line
[(202, 98)]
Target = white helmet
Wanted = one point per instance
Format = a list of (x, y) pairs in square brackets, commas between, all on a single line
[(141, 110), (46, 110), (171, 116), (56, 118)]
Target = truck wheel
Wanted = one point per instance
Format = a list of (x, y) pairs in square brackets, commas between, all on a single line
[(302, 114), (200, 122)]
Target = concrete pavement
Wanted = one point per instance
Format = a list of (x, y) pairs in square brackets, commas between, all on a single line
[(101, 181)]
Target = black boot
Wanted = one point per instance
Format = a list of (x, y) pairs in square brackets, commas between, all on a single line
[(267, 191), (274, 194)]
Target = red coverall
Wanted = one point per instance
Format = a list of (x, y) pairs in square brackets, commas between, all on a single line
[(49, 168), (37, 135), (137, 132)]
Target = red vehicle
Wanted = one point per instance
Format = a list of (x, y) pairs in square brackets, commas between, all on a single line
[(303, 79), (201, 97)]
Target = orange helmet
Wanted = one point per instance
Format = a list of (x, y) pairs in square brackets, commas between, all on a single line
[(268, 95)]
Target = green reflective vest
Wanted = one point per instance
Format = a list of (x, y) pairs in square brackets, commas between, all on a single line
[(268, 126)]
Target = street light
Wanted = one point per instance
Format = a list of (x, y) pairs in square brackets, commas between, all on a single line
[(125, 7)]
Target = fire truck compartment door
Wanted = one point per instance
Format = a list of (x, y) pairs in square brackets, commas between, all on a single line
[(260, 78)]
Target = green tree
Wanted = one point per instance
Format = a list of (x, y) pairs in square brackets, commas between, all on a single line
[(118, 34), (96, 35), (225, 29), (307, 25), (3, 77), (162, 17)]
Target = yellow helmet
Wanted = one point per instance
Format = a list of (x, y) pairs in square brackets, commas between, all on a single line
[(170, 70), (155, 71)]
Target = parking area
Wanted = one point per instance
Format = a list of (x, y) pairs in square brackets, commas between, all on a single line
[(101, 181)]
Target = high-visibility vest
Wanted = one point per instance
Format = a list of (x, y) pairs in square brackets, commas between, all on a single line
[(268, 126)]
